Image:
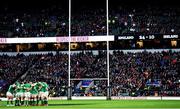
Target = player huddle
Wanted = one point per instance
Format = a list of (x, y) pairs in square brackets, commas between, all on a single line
[(28, 93)]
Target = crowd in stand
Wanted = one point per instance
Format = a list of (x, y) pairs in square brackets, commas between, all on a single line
[(131, 74), (52, 69), (88, 65), (147, 20), (144, 73), (33, 24), (12, 67), (53, 21)]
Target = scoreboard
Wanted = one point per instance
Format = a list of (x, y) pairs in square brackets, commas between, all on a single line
[(146, 37)]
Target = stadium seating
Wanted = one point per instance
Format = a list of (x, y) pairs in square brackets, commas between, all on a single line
[(124, 20), (131, 74)]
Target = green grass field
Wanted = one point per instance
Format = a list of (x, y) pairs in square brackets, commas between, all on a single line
[(102, 104)]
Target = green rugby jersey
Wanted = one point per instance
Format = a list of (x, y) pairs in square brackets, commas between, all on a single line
[(27, 87), (44, 87), (11, 89)]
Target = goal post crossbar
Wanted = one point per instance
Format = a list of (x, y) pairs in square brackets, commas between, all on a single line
[(83, 40)]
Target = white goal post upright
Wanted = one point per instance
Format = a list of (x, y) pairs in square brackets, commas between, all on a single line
[(107, 30), (69, 96), (69, 55)]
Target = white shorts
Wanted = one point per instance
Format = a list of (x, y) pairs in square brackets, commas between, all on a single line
[(43, 94), (27, 94), (34, 95), (46, 94), (9, 94), (20, 94)]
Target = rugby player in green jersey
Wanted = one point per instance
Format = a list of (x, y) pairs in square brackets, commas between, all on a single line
[(27, 88), (38, 86), (10, 94), (17, 91), (44, 93), (34, 94), (19, 94)]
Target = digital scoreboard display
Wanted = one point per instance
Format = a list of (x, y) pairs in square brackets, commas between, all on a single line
[(145, 37)]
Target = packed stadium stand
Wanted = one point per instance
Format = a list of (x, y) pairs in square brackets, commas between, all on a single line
[(50, 22), (145, 73), (131, 74)]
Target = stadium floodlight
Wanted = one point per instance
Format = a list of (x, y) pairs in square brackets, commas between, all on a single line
[(113, 21), (63, 24), (132, 29), (17, 29), (46, 23), (17, 20), (133, 24), (125, 23), (22, 24)]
